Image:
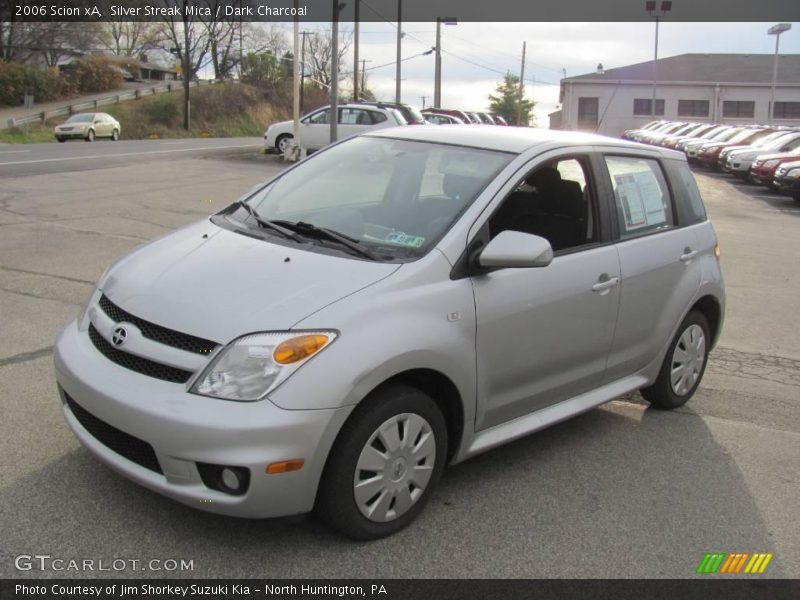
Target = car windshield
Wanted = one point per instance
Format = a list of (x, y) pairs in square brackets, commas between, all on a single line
[(395, 197), (84, 118)]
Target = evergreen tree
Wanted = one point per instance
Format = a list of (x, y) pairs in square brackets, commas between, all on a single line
[(508, 100)]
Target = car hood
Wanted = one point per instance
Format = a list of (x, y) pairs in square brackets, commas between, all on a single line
[(779, 155), (217, 284)]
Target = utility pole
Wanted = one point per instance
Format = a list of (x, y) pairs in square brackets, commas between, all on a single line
[(334, 71), (423, 98), (399, 42), (355, 52), (303, 72), (521, 87), (364, 61), (650, 7), (437, 86), (295, 146)]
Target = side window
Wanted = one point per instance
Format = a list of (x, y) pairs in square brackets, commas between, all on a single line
[(696, 211), (354, 116), (377, 117), (320, 118), (640, 193), (555, 201)]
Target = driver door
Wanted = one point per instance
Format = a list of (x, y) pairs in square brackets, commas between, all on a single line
[(315, 129), (544, 334)]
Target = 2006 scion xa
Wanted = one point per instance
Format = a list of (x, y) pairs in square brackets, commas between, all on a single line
[(397, 302)]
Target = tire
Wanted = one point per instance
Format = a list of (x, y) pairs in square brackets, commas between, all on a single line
[(282, 142), (115, 135), (90, 136), (61, 140), (796, 196), (405, 466), (689, 346)]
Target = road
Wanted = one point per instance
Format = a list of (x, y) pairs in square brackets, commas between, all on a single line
[(622, 491), (77, 155)]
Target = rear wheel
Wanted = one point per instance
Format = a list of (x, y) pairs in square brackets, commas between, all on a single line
[(90, 136), (384, 464), (683, 366)]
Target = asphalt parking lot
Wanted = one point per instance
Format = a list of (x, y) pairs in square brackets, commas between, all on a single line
[(622, 491)]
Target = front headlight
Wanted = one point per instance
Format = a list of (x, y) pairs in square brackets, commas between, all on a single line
[(251, 366)]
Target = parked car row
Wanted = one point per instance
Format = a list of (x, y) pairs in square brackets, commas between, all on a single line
[(363, 116), (766, 155)]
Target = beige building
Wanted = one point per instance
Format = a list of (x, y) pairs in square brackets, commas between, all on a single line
[(723, 88)]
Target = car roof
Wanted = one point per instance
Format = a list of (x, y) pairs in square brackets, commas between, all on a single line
[(508, 139)]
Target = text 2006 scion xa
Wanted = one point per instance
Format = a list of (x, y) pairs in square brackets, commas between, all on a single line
[(400, 301)]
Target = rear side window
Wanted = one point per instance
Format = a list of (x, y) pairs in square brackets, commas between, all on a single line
[(641, 195), (377, 117), (695, 210)]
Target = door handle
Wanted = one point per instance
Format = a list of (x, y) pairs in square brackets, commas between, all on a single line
[(688, 254), (606, 284)]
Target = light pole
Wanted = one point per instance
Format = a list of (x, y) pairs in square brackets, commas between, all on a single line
[(334, 110), (437, 87), (650, 7), (399, 42), (775, 30)]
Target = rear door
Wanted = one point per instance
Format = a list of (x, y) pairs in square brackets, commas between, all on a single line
[(353, 121), (659, 266)]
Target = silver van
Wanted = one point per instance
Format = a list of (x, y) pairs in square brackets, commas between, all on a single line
[(400, 301)]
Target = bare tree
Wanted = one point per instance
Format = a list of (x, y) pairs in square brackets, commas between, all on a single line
[(231, 42), (319, 53), (187, 38), (14, 35)]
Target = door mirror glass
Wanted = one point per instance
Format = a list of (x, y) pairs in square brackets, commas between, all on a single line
[(511, 249)]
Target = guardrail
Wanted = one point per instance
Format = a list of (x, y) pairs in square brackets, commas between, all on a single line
[(70, 109)]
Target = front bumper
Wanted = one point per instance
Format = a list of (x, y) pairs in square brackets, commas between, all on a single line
[(787, 185), (761, 177), (70, 134), (185, 429)]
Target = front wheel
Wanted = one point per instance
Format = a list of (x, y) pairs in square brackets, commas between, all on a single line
[(115, 135), (90, 136), (282, 143), (384, 464), (683, 366), (61, 140)]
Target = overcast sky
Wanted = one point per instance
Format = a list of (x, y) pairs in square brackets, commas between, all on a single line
[(551, 47)]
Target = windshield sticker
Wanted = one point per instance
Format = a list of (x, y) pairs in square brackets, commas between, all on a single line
[(401, 239)]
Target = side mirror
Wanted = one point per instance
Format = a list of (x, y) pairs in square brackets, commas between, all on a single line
[(514, 249)]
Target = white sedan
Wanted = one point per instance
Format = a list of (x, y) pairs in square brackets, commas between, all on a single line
[(315, 127)]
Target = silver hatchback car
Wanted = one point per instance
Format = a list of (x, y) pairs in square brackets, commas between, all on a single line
[(399, 301)]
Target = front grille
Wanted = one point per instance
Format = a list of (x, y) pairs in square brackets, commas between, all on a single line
[(158, 333), (137, 363), (124, 444)]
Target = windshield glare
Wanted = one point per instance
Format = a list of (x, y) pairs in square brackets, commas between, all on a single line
[(396, 196)]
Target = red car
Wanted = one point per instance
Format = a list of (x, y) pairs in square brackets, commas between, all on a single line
[(709, 153), (763, 168)]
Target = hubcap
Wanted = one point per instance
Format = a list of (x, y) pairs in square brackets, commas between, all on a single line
[(394, 467), (687, 360), (283, 144)]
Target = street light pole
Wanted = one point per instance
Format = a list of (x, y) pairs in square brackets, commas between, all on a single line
[(650, 7), (775, 30), (334, 110), (399, 42), (437, 86)]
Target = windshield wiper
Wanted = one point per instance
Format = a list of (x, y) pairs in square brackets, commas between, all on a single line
[(311, 230), (267, 224)]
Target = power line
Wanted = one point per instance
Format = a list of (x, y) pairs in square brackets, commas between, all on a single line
[(394, 62)]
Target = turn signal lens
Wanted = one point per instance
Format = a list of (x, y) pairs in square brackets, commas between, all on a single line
[(299, 348), (285, 466), (717, 251)]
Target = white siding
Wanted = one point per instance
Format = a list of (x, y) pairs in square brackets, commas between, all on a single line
[(616, 102)]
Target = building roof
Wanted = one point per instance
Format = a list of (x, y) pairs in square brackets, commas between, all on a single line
[(705, 68), (503, 139)]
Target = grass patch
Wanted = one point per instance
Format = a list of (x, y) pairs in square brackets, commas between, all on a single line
[(219, 110)]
